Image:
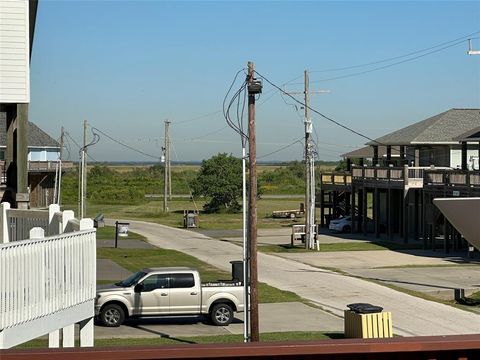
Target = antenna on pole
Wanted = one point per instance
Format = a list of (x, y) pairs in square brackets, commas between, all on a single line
[(470, 50)]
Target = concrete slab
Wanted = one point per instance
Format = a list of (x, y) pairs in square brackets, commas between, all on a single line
[(278, 317)]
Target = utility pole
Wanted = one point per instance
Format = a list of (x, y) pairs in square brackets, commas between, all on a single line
[(254, 87), (166, 175), (83, 185), (309, 171), (59, 177), (309, 165)]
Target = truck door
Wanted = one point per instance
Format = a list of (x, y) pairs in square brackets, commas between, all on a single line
[(184, 294), (152, 296)]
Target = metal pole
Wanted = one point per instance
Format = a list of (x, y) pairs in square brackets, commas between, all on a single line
[(116, 234), (59, 197), (246, 297), (252, 211), (308, 169), (166, 168)]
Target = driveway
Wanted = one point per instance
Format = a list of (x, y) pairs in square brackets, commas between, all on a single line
[(332, 291)]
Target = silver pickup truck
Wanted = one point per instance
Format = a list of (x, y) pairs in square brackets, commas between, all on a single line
[(168, 292)]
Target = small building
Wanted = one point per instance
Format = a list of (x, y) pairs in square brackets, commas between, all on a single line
[(43, 165), (390, 190)]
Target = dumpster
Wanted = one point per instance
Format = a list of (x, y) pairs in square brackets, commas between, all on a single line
[(367, 321)]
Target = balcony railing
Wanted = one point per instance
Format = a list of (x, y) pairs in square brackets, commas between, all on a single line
[(47, 282), (411, 177)]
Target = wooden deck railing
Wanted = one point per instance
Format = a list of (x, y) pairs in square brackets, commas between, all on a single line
[(411, 176)]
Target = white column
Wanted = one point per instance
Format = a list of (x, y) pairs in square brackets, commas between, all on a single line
[(4, 207), (69, 336), (54, 339), (86, 333)]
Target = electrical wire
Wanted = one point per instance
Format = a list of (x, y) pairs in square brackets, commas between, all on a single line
[(466, 37), (314, 110), (125, 145), (281, 149), (79, 147), (237, 125), (387, 66)]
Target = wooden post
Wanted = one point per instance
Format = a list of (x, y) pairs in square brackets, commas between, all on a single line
[(252, 211)]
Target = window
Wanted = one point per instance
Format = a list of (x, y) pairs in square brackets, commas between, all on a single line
[(181, 281), (155, 282)]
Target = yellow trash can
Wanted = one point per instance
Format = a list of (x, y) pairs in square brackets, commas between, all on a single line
[(367, 325)]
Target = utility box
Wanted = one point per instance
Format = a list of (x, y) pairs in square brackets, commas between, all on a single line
[(367, 324), (190, 218)]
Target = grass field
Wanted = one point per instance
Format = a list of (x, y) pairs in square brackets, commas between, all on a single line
[(152, 211), (215, 339)]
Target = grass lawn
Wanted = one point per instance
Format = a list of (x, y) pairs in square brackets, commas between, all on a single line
[(152, 211), (136, 259), (349, 246), (214, 339)]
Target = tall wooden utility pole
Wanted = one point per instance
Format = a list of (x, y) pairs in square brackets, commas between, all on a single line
[(166, 175), (252, 206)]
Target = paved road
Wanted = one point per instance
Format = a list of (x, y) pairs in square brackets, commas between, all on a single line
[(332, 291)]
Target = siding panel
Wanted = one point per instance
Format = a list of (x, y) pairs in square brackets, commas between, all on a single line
[(14, 52)]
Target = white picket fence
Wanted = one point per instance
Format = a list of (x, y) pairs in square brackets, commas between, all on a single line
[(47, 283)]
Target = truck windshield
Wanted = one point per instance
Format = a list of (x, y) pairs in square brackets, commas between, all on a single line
[(132, 279)]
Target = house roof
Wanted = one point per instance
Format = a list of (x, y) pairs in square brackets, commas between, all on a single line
[(472, 135), (367, 152), (36, 136), (442, 128)]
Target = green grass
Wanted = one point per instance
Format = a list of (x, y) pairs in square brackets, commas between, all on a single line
[(213, 339), (108, 233), (152, 211), (136, 259), (348, 246)]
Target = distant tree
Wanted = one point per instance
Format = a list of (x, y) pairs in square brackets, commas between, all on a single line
[(220, 181), (342, 165)]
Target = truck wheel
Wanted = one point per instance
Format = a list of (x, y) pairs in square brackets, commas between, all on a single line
[(221, 314), (112, 315)]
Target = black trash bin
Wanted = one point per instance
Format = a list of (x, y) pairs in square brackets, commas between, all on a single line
[(364, 308), (237, 270)]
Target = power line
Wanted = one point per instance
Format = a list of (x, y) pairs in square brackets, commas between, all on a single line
[(315, 111), (466, 37), (125, 145), (78, 146), (389, 65), (281, 149)]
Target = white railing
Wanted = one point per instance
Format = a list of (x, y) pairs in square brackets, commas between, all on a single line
[(47, 283), (41, 277)]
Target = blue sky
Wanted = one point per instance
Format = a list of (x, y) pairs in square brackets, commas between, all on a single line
[(127, 66)]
